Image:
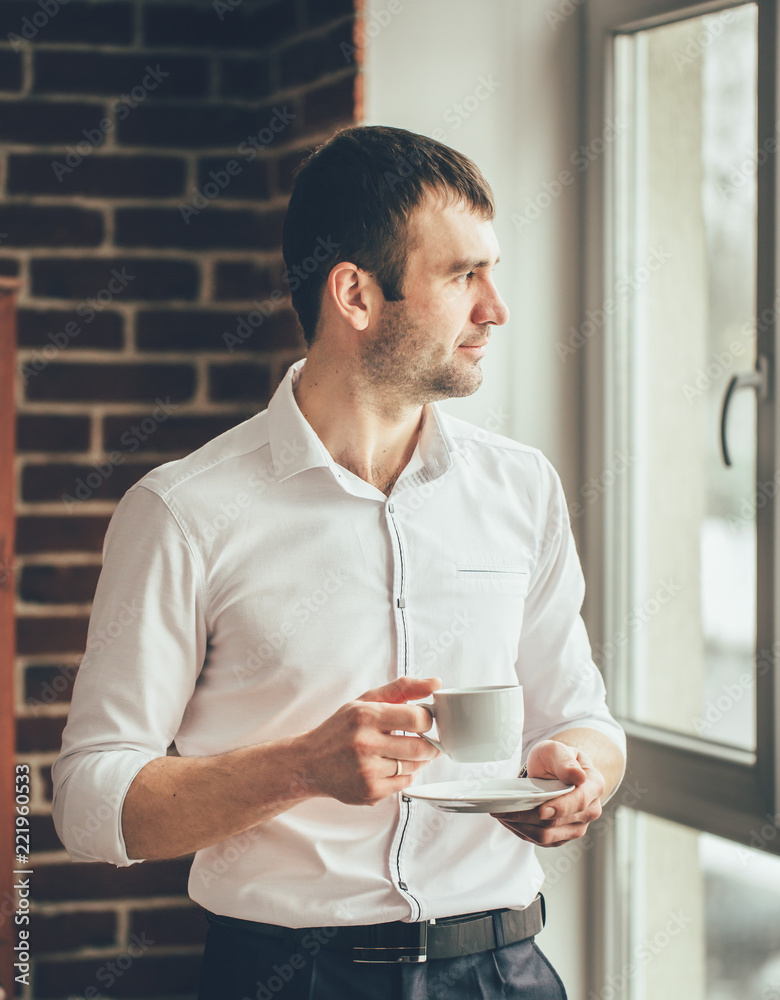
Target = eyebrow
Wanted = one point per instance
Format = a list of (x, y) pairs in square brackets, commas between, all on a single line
[(468, 264)]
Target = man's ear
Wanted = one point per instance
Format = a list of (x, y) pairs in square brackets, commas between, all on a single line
[(353, 294)]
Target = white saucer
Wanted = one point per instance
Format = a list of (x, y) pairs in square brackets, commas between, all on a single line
[(489, 795)]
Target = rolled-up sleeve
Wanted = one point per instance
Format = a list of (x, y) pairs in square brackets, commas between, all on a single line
[(562, 686), (145, 649)]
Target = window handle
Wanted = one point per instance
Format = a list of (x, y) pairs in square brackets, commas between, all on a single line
[(757, 380)]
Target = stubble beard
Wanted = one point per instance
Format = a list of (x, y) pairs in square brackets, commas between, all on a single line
[(405, 365)]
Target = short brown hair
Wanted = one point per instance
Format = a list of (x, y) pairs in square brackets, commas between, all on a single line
[(355, 194)]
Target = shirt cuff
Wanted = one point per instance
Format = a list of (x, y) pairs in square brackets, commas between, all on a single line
[(89, 794)]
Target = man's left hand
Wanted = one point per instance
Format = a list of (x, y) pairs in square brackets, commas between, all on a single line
[(567, 817)]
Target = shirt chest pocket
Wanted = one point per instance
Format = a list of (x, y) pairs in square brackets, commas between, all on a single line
[(482, 613), (490, 579)]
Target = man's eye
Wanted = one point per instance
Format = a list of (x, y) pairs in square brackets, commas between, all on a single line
[(464, 277)]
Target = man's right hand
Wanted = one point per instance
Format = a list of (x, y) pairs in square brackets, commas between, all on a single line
[(352, 755)]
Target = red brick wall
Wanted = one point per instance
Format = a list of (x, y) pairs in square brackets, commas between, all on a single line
[(123, 359)]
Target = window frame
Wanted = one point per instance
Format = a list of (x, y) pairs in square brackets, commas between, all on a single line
[(707, 786)]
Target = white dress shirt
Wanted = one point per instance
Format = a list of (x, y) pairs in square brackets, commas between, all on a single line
[(253, 587)]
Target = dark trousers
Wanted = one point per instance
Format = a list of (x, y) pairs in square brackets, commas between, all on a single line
[(242, 965)]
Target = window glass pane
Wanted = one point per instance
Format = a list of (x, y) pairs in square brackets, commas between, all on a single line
[(685, 261), (706, 915)]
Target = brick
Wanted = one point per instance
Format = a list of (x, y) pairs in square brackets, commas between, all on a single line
[(113, 383), (213, 331), (235, 383), (248, 78), (245, 26), (251, 181), (46, 685), (149, 975), (10, 70), (75, 881), (41, 735), (72, 931), (43, 837), (47, 122), (206, 126), (311, 58), (57, 328), (58, 584), (74, 484), (98, 176), (65, 533), (321, 11), (331, 105), (58, 635), (178, 434), (38, 432), (9, 267), (51, 226), (170, 925), (81, 279), (246, 280), (74, 22), (112, 74), (210, 228)]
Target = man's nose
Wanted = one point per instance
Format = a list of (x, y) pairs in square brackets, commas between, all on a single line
[(491, 308)]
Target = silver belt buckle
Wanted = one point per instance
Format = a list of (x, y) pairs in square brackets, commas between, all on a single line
[(397, 953)]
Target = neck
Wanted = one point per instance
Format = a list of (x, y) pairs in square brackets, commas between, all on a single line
[(363, 429)]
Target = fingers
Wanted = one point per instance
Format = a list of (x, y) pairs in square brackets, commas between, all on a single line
[(403, 689), (551, 837), (409, 748), (391, 718)]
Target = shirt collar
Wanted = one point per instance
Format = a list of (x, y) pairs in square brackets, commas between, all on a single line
[(296, 447)]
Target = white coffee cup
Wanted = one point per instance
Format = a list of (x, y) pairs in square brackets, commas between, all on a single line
[(477, 724)]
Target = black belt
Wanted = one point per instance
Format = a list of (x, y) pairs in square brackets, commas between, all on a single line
[(400, 941)]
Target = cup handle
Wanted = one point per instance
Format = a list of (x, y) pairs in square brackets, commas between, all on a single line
[(435, 743)]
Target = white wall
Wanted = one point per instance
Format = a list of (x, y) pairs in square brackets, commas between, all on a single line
[(423, 57)]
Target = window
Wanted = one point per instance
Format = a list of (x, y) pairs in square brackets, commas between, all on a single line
[(680, 284)]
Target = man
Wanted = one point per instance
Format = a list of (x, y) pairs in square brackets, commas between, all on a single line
[(300, 582)]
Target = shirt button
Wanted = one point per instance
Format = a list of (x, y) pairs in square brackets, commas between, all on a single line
[(390, 508), (403, 886)]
